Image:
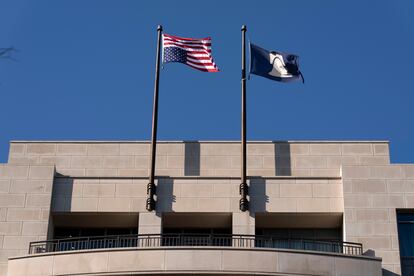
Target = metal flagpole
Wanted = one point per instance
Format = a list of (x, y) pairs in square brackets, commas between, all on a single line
[(151, 185), (243, 189)]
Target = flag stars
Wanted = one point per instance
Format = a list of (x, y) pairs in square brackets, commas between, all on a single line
[(174, 54)]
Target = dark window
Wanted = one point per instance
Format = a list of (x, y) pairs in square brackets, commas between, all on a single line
[(302, 233), (406, 241), (328, 240), (196, 237), (206, 231), (64, 232), (93, 238)]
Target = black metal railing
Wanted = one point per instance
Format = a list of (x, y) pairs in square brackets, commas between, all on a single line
[(160, 240)]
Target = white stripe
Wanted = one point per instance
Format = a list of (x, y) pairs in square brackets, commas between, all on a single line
[(201, 48), (188, 49), (188, 41), (200, 61), (202, 66), (199, 55), (188, 45)]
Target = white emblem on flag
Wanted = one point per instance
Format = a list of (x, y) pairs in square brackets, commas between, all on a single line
[(279, 66)]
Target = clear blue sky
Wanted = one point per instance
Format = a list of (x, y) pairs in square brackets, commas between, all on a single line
[(85, 71)]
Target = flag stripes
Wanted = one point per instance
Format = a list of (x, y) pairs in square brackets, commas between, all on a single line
[(196, 53)]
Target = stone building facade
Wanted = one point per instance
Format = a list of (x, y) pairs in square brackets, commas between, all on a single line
[(299, 191)]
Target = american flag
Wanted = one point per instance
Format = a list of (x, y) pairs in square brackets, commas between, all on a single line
[(195, 52)]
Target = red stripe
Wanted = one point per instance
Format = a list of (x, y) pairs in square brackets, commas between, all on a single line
[(188, 47), (199, 53), (208, 44), (187, 41), (201, 64), (203, 69), (192, 51), (201, 58), (185, 38), (185, 46)]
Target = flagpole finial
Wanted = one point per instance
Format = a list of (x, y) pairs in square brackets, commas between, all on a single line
[(244, 28), (159, 28)]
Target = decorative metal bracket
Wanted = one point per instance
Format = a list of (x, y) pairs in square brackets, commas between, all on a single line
[(151, 191), (244, 202)]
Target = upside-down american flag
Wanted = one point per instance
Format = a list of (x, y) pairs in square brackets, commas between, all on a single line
[(195, 52)]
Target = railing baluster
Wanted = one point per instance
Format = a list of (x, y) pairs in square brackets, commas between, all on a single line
[(88, 243)]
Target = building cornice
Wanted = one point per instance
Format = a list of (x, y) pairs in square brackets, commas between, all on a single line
[(199, 141)]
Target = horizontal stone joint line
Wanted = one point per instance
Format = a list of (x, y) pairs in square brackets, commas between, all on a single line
[(200, 177)]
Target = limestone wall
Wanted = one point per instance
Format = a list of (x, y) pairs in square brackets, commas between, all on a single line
[(201, 261), (25, 197), (372, 195), (284, 177), (199, 158)]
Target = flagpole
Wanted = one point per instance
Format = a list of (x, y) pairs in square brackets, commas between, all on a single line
[(150, 205), (243, 189)]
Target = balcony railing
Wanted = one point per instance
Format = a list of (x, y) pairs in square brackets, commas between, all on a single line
[(165, 240)]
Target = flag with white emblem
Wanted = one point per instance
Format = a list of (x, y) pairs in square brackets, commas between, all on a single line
[(274, 65), (194, 52)]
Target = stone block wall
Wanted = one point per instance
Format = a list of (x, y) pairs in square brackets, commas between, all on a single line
[(284, 177), (99, 195), (372, 195), (25, 197), (127, 159)]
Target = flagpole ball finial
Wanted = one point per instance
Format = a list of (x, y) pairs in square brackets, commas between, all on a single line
[(159, 28), (244, 28)]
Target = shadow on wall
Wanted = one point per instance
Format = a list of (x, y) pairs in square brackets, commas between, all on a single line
[(283, 167), (386, 272), (282, 155), (191, 158), (62, 192), (165, 196), (283, 162), (257, 194)]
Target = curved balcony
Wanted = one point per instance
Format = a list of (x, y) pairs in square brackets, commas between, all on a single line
[(199, 254), (161, 240)]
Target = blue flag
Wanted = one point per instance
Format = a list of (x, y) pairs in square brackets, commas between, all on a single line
[(274, 65)]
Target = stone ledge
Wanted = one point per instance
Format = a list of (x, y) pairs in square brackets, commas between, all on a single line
[(218, 248), (202, 177), (199, 260), (202, 141)]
